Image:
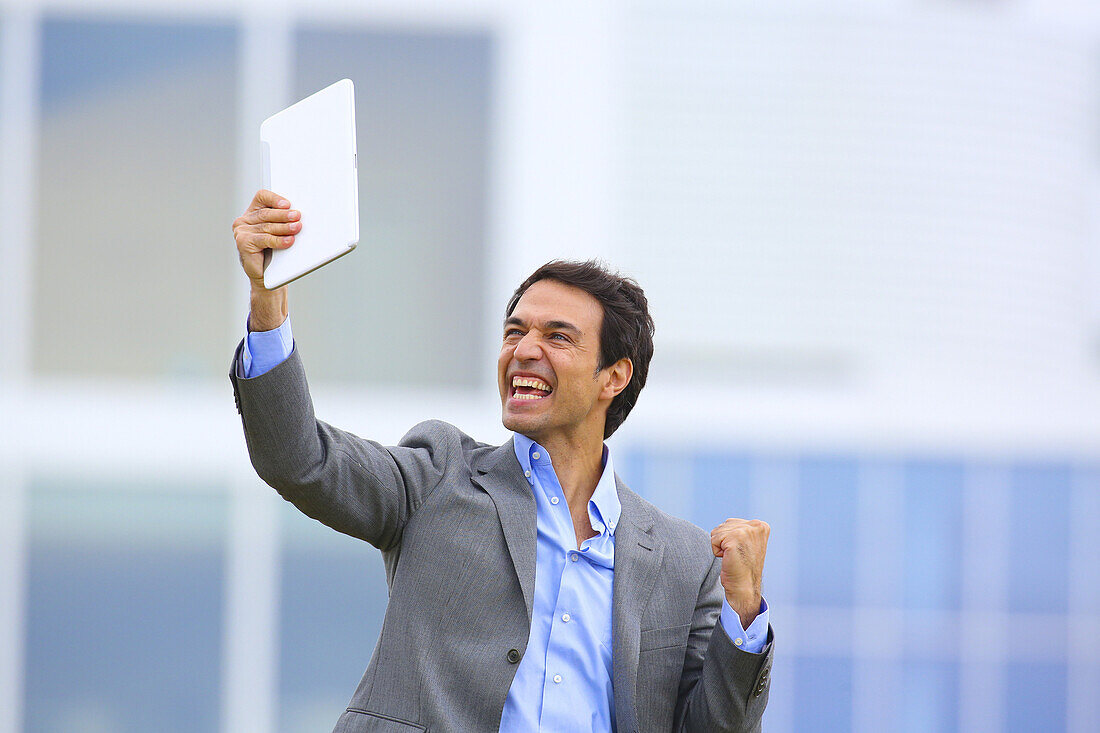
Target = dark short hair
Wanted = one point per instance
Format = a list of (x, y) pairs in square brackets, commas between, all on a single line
[(626, 330)]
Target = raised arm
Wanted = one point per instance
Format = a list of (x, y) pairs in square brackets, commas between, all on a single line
[(353, 485)]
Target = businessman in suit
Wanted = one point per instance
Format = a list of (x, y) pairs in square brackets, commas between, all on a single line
[(529, 588)]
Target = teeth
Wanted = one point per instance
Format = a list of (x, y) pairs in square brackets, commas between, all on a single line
[(526, 397), (530, 382)]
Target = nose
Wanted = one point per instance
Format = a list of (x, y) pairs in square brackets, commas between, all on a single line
[(528, 349)]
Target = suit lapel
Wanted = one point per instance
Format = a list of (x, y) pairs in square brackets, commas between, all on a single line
[(503, 479), (638, 554)]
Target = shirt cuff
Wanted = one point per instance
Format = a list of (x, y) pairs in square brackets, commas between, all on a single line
[(751, 639), (265, 350)]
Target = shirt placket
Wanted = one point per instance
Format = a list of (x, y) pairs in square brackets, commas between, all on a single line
[(558, 689)]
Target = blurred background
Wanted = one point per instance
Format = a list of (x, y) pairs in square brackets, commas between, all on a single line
[(869, 235)]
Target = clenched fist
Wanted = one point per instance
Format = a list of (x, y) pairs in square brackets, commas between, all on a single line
[(742, 545)]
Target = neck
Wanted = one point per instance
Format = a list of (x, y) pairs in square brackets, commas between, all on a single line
[(578, 464)]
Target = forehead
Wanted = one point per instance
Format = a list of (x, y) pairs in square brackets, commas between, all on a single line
[(550, 300)]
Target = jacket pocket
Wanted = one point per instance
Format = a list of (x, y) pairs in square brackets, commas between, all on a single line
[(663, 638), (362, 721)]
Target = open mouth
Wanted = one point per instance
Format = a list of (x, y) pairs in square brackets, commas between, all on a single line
[(529, 388)]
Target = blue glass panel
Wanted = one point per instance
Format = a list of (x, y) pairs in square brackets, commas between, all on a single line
[(823, 694), (630, 464), (1036, 697), (87, 57), (662, 476), (933, 534), (723, 488), (826, 530), (930, 697), (124, 610), (333, 600), (1039, 538)]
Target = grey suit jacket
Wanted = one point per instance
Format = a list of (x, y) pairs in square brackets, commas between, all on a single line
[(455, 521)]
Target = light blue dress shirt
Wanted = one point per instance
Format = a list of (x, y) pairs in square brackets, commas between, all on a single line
[(564, 679)]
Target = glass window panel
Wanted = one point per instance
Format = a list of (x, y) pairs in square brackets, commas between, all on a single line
[(407, 307), (933, 534), (823, 691), (826, 530), (134, 267), (333, 599), (930, 697), (1039, 538), (661, 476), (1036, 697), (723, 488), (124, 607), (630, 464)]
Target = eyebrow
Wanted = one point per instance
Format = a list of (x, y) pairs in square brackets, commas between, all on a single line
[(548, 326)]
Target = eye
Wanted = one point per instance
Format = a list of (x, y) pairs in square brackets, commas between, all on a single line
[(512, 332), (559, 336)]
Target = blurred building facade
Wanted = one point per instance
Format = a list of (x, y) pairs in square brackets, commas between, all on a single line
[(868, 232)]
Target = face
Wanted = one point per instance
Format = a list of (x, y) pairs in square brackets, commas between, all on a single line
[(547, 372)]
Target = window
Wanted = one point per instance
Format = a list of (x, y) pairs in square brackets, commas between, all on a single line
[(134, 261), (406, 306)]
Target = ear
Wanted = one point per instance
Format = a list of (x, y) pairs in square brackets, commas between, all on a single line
[(618, 376)]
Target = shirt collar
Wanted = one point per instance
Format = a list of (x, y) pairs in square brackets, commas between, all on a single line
[(604, 508)]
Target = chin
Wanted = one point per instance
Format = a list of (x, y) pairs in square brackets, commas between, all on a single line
[(511, 422), (517, 424)]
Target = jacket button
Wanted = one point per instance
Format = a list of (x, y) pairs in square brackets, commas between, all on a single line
[(513, 655)]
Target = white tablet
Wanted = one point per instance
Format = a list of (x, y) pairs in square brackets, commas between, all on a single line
[(309, 158)]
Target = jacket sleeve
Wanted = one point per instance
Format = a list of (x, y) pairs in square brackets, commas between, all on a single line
[(722, 688), (355, 486)]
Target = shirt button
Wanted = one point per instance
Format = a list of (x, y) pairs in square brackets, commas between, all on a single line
[(535, 456), (738, 641), (553, 500), (527, 474), (557, 679), (566, 617), (573, 556)]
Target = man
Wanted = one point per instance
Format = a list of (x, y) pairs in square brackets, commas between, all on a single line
[(529, 589)]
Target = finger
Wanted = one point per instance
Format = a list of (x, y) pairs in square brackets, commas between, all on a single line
[(260, 242), (269, 199), (244, 232), (728, 542), (716, 544), (279, 230), (263, 216)]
